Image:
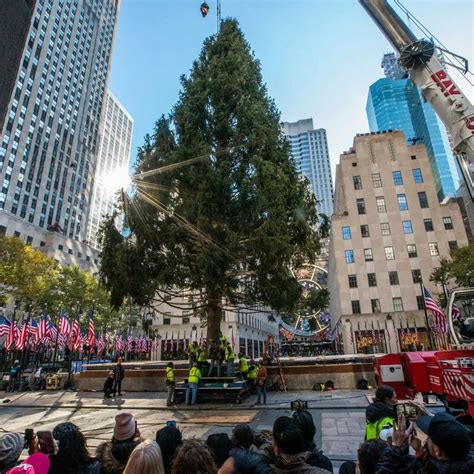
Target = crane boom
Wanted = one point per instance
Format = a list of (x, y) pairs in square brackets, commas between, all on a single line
[(426, 71)]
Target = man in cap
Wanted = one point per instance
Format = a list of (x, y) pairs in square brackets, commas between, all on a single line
[(11, 446), (446, 449)]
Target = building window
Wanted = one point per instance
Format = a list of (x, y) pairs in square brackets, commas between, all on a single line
[(360, 205), (166, 320), (417, 175), (349, 256), (402, 202), (428, 225), (375, 305), (16, 234), (357, 182), (372, 279), (352, 281), (346, 233), (389, 253), (376, 180), (368, 256), (416, 276), (3, 230), (423, 200), (411, 249), (380, 200), (397, 304), (407, 227), (355, 306), (60, 247), (434, 251), (385, 228), (364, 230), (393, 277), (29, 240), (42, 243), (453, 245), (69, 251), (420, 302), (397, 178), (448, 223)]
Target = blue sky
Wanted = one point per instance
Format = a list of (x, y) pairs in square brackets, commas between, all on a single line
[(318, 57)]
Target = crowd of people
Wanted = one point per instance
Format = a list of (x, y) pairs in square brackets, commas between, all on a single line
[(391, 446)]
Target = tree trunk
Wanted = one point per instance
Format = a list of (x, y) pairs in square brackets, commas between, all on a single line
[(214, 317)]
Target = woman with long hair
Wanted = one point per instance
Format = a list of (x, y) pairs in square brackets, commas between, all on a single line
[(145, 459)]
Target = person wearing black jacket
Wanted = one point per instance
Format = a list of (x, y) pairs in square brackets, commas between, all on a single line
[(380, 414), (306, 423), (445, 452), (119, 375), (108, 386)]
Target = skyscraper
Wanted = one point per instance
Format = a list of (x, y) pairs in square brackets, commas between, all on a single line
[(48, 143), (388, 233), (392, 68), (112, 162), (309, 149), (396, 104)]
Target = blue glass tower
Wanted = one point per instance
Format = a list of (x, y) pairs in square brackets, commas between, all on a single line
[(397, 104)]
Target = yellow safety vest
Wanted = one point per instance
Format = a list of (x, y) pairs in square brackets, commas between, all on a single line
[(202, 357), (244, 365), (372, 430), (170, 374), (252, 373), (229, 354), (192, 349), (194, 375)]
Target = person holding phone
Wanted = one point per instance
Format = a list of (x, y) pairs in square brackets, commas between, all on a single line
[(380, 414)]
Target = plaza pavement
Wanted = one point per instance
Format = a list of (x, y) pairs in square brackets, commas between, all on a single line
[(339, 415)]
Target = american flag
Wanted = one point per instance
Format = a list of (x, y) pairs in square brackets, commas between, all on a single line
[(64, 325), (4, 326), (91, 333), (42, 331), (75, 334), (23, 337), (52, 332), (456, 312), (440, 318), (12, 335)]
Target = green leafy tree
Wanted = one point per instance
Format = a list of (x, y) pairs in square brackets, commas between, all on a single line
[(462, 265), (229, 225), (441, 276)]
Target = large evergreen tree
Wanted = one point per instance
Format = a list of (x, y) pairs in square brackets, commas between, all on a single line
[(227, 215)]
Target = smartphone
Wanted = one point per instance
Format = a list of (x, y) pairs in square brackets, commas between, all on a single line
[(29, 440), (46, 442), (408, 411)]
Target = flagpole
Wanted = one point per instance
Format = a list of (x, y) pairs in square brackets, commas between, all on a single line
[(428, 328), (56, 343)]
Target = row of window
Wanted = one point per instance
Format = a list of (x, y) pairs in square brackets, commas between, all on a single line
[(392, 278), (396, 175), (397, 303), (407, 227), (401, 199), (390, 252)]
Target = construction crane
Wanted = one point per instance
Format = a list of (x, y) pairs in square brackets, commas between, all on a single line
[(420, 59)]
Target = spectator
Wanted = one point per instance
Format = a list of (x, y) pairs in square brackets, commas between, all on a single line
[(446, 450), (307, 426), (193, 382), (261, 381), (220, 445), (368, 455), (38, 462), (243, 437), (289, 448), (145, 459), (119, 375), (11, 446), (242, 461), (193, 457), (169, 439), (108, 385), (72, 456), (380, 415), (114, 454)]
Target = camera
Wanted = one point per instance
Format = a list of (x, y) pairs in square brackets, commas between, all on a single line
[(299, 405)]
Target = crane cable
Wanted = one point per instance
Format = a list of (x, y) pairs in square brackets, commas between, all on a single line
[(429, 34)]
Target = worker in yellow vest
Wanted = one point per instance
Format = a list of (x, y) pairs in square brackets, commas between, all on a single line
[(193, 350), (230, 359), (202, 356), (193, 381), (243, 366), (252, 374), (170, 383)]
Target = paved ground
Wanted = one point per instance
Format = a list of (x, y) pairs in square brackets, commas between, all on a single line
[(339, 415)]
